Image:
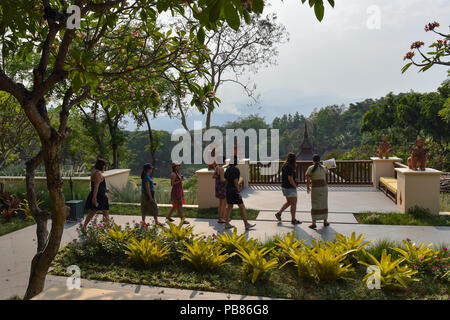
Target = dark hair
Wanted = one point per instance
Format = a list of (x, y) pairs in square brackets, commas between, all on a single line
[(174, 165), (147, 167), (290, 159), (100, 164), (316, 159)]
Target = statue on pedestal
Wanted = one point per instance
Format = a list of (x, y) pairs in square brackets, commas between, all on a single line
[(418, 157), (384, 147)]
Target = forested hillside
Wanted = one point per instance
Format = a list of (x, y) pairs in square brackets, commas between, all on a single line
[(342, 132)]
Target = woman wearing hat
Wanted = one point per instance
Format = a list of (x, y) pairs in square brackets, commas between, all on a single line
[(148, 201), (177, 193)]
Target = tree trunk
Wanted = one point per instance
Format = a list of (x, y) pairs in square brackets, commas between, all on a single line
[(40, 216), (115, 150), (151, 140), (43, 259)]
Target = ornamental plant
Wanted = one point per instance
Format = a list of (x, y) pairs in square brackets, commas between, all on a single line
[(178, 232), (205, 256), (301, 258), (421, 256), (232, 242), (354, 246), (254, 265), (285, 246), (392, 275), (328, 262), (146, 252)]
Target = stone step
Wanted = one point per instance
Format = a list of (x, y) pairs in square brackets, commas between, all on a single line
[(306, 216)]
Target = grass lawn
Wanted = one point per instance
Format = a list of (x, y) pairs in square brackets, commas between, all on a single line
[(282, 283), (131, 210), (408, 219), (14, 224), (414, 217)]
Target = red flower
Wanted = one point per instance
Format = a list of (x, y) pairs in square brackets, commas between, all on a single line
[(409, 55), (417, 45)]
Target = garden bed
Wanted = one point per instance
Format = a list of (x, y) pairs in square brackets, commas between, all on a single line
[(101, 256), (414, 217)]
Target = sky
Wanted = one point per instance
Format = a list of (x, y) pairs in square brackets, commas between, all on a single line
[(355, 53)]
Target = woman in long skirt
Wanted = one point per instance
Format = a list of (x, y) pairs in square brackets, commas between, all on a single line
[(316, 177)]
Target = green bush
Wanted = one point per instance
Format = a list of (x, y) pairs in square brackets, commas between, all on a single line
[(254, 265), (205, 255), (146, 252), (392, 275)]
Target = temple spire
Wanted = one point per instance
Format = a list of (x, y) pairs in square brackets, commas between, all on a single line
[(305, 153)]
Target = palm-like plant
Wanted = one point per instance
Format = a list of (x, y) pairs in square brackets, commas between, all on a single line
[(392, 275)]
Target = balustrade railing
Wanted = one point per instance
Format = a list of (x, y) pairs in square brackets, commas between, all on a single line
[(348, 172)]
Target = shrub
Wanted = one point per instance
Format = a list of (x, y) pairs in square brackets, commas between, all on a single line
[(146, 252), (353, 245), (114, 240), (328, 262), (178, 232), (392, 275), (232, 242), (421, 256), (204, 255), (301, 258), (286, 245), (254, 265)]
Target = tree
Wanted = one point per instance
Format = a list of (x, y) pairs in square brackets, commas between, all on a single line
[(16, 133), (233, 52), (67, 61), (438, 56)]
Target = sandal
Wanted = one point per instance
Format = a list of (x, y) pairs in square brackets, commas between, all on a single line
[(295, 221), (278, 216), (313, 226), (170, 219), (228, 226), (186, 222), (326, 224), (221, 221)]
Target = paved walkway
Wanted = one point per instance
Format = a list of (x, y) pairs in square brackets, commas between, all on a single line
[(340, 199), (18, 248)]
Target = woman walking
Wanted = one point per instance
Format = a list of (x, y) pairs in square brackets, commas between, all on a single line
[(177, 193), (97, 199), (148, 201), (289, 188), (316, 176), (233, 196), (221, 190)]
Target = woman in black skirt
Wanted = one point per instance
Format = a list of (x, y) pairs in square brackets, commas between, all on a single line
[(233, 196), (97, 199)]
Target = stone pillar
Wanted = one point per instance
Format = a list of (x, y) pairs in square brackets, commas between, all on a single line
[(206, 189), (418, 188), (382, 168)]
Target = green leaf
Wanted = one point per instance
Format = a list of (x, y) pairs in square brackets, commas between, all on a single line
[(231, 15), (77, 82), (214, 14), (257, 6), (331, 2), (319, 10), (201, 35), (406, 67)]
